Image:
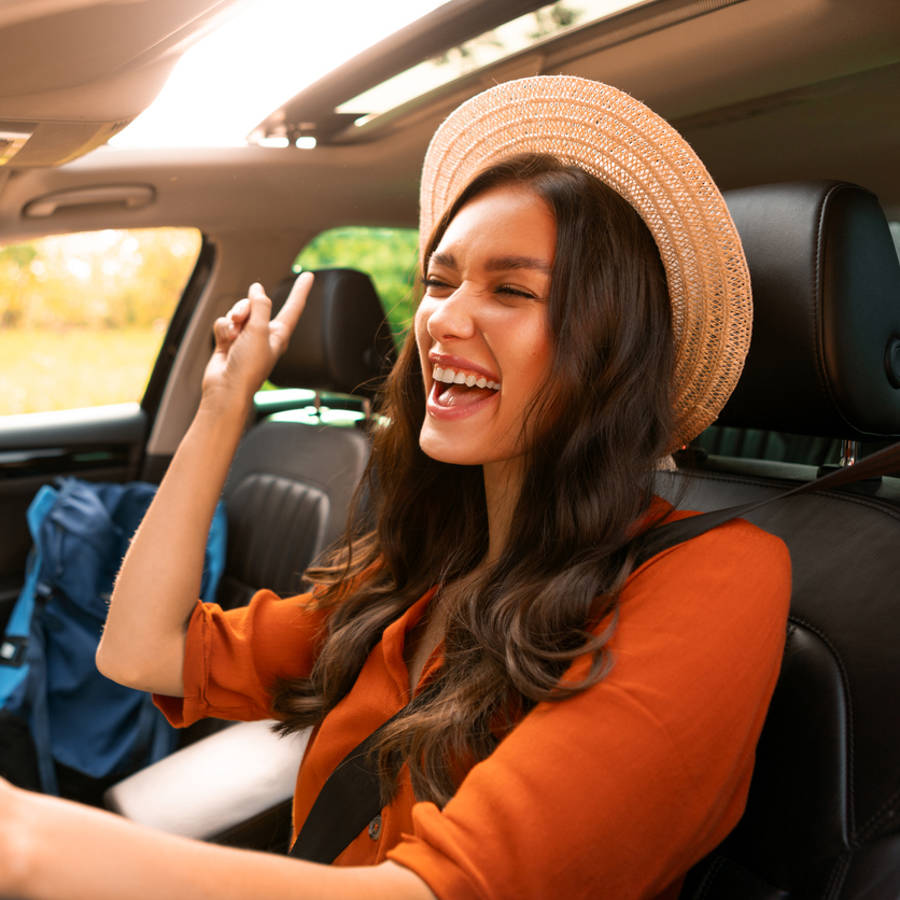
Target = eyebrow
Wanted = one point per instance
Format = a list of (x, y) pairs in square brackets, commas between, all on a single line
[(497, 263)]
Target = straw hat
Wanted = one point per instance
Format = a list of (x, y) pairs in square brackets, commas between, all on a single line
[(641, 157)]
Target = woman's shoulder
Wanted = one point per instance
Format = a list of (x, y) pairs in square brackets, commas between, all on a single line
[(736, 541), (735, 571)]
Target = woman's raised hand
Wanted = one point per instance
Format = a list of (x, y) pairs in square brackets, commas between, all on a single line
[(143, 642), (249, 342)]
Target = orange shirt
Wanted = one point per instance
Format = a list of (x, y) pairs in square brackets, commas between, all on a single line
[(613, 793)]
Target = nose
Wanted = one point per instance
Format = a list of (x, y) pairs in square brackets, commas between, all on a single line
[(453, 316)]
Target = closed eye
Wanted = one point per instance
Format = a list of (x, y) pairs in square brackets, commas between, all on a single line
[(437, 285), (515, 291), (430, 282)]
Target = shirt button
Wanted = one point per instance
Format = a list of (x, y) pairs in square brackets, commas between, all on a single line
[(375, 827)]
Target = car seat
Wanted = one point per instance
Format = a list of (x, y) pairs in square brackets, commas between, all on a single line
[(290, 484), (823, 814)]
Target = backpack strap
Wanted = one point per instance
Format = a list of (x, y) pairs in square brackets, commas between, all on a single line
[(350, 798), (21, 650), (15, 639)]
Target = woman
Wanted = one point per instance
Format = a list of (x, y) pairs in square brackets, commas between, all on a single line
[(580, 726)]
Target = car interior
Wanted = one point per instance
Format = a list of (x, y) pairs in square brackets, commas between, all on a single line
[(792, 105)]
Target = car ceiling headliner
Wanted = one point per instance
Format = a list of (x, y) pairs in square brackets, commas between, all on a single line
[(765, 90)]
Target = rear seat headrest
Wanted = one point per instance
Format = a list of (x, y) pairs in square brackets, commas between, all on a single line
[(825, 353), (342, 342)]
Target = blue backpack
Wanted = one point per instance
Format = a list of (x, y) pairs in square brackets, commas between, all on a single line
[(77, 718)]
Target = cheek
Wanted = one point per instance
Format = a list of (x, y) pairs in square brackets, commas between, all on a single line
[(420, 324), (537, 351), (420, 331)]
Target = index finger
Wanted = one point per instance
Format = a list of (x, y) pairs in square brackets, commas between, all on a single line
[(289, 314)]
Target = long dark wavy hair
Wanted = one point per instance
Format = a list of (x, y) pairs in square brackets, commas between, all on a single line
[(596, 432)]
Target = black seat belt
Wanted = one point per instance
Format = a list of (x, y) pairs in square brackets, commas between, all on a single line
[(883, 462), (350, 799)]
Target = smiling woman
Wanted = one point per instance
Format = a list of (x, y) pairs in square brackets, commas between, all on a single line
[(485, 625), (584, 727), (484, 318)]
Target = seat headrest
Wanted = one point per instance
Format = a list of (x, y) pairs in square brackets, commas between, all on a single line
[(342, 342), (825, 354)]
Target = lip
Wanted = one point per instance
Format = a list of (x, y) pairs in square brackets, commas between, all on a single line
[(455, 413), (447, 360)]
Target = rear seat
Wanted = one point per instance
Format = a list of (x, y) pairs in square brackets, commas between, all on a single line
[(289, 487), (823, 816)]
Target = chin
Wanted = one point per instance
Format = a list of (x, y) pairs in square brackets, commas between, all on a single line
[(448, 451)]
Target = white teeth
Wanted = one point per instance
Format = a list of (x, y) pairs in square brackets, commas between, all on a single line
[(451, 376)]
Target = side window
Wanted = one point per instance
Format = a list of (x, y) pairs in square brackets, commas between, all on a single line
[(83, 315), (386, 255)]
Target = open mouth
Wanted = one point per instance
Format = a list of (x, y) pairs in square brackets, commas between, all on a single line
[(455, 388)]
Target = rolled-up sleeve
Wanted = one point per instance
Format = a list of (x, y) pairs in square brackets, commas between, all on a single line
[(617, 791), (234, 657)]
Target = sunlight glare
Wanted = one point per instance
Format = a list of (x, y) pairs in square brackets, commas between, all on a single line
[(233, 78)]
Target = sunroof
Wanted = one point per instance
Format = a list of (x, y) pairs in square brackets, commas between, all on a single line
[(518, 34), (266, 51)]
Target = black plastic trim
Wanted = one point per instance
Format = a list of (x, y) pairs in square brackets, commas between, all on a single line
[(50, 462)]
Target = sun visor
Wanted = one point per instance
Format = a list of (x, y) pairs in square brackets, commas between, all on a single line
[(75, 72), (51, 143)]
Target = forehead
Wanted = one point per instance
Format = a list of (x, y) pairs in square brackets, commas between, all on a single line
[(509, 218)]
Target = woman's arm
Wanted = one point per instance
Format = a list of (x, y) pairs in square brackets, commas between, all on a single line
[(158, 585), (52, 849)]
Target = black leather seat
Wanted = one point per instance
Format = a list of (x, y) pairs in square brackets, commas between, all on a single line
[(823, 816), (289, 487)]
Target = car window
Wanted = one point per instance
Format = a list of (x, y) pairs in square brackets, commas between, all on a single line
[(386, 255), (83, 315), (777, 446)]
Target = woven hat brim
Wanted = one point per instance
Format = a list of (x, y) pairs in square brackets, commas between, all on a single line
[(646, 161)]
